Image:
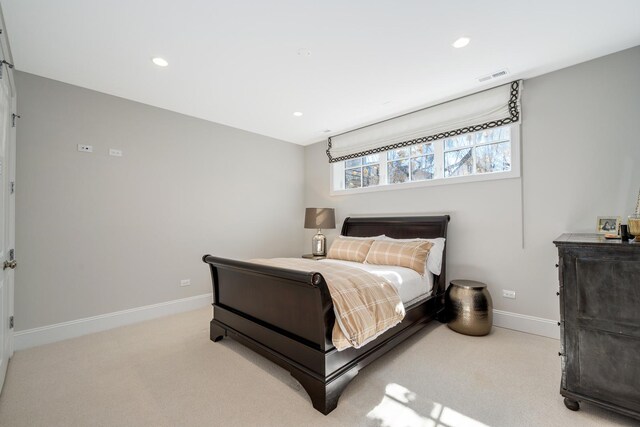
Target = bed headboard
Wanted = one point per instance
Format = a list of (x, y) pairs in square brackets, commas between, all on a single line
[(425, 227)]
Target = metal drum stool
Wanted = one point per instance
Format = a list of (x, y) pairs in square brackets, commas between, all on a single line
[(469, 307)]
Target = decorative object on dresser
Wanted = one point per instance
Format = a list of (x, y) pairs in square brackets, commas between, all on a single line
[(319, 218), (634, 221), (288, 315), (600, 322), (634, 226), (624, 232), (469, 307)]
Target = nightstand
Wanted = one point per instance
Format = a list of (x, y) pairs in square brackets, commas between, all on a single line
[(314, 257)]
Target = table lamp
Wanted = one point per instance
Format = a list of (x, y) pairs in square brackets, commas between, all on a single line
[(319, 218)]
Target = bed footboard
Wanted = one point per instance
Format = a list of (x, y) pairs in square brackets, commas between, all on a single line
[(285, 315), (289, 302)]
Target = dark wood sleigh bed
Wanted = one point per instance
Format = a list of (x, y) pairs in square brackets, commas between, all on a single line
[(287, 315)]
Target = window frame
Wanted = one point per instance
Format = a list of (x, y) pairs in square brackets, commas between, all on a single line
[(337, 170)]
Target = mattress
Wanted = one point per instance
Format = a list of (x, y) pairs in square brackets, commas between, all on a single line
[(409, 283)]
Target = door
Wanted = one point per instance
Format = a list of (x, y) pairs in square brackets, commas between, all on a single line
[(7, 229)]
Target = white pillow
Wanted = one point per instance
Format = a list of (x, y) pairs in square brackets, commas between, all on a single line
[(434, 261)]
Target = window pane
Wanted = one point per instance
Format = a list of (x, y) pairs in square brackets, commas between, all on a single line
[(373, 158), (370, 175), (421, 149), (353, 162), (493, 157), (352, 178), (458, 141), (398, 171), (422, 168), (493, 135), (458, 163), (400, 153)]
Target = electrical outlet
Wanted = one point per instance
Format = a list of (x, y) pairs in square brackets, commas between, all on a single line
[(85, 148), (509, 294), (115, 152), (185, 282)]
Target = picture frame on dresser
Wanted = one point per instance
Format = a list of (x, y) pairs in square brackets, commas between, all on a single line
[(608, 224)]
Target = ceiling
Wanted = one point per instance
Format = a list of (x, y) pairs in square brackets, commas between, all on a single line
[(251, 64)]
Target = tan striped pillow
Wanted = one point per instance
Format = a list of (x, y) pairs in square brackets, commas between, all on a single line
[(412, 255), (348, 249)]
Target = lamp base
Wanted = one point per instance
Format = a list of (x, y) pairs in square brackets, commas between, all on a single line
[(319, 244)]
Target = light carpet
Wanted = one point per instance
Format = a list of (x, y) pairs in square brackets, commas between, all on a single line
[(167, 372)]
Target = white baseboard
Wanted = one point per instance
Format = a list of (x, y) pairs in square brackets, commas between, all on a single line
[(75, 328), (523, 323)]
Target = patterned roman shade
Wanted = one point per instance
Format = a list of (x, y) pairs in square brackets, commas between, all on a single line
[(483, 110)]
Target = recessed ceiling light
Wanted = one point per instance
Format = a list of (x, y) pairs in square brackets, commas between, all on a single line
[(461, 42), (297, 114), (326, 131), (160, 62)]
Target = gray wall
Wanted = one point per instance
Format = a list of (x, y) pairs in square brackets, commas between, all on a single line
[(580, 159), (97, 234)]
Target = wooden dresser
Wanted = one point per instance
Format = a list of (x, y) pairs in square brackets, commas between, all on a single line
[(600, 322)]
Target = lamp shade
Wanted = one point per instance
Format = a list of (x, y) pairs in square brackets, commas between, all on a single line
[(320, 218)]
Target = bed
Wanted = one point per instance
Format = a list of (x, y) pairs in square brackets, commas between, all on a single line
[(287, 315)]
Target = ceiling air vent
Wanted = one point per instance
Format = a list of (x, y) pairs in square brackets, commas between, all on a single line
[(496, 75)]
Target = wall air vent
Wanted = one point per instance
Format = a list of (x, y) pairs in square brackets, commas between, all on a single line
[(496, 75)]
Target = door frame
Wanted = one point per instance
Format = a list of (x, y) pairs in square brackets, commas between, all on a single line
[(10, 163), (11, 220)]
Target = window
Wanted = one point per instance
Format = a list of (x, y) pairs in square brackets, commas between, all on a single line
[(362, 172), (480, 152), (413, 163), (488, 154)]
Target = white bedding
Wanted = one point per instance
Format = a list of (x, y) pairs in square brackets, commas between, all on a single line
[(409, 283)]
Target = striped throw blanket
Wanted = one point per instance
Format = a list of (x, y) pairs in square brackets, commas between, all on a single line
[(365, 305)]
